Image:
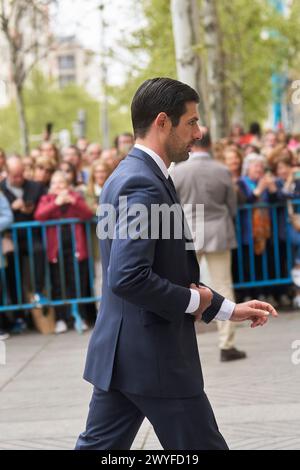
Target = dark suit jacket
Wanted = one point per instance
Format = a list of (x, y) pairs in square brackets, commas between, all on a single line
[(143, 342), (33, 191)]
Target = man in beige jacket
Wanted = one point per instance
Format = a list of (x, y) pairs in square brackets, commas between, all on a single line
[(202, 180)]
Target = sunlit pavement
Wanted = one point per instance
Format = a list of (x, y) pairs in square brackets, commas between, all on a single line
[(44, 400)]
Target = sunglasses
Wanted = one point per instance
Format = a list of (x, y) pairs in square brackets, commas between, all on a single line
[(47, 170)]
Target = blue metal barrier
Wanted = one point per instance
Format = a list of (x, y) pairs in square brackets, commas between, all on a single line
[(272, 267), (31, 231), (276, 261)]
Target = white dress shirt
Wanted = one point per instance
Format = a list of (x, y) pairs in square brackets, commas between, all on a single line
[(227, 306)]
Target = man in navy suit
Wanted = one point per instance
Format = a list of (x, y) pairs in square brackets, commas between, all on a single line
[(143, 358)]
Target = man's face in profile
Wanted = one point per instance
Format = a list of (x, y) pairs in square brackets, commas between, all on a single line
[(181, 137), (16, 176)]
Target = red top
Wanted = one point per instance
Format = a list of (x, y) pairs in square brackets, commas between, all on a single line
[(47, 210)]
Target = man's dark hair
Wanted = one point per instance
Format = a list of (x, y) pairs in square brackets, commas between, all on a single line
[(255, 129), (159, 95), (204, 142)]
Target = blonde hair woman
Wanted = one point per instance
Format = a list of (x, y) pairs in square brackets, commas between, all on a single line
[(44, 169), (99, 173)]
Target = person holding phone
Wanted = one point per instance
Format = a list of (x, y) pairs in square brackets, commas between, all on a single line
[(288, 188), (63, 203)]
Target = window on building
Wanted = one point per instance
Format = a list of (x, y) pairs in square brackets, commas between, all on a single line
[(66, 62)]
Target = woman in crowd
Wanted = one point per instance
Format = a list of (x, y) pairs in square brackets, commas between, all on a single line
[(49, 149), (43, 170), (288, 186), (63, 203), (269, 142), (6, 219), (255, 186), (99, 173), (233, 159), (70, 173), (279, 153)]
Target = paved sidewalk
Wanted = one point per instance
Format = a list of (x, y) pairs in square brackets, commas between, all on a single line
[(44, 401)]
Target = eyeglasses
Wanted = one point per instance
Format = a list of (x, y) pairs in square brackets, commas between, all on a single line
[(47, 170)]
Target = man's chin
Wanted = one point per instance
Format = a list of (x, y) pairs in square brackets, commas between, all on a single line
[(185, 156), (180, 158)]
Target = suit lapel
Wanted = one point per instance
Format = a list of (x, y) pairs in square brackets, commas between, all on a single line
[(137, 153)]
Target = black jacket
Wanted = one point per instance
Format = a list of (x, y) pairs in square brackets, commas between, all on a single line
[(32, 194)]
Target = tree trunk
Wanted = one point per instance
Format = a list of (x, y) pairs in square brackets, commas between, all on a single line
[(215, 77), (238, 112), (185, 20), (18, 84), (22, 121)]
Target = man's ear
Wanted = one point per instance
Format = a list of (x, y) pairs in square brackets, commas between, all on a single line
[(161, 121)]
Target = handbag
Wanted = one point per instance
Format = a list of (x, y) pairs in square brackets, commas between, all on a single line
[(261, 228)]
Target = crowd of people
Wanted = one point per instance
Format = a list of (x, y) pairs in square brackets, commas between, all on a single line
[(56, 184), (53, 183), (265, 169)]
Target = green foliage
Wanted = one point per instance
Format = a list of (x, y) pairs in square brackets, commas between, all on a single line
[(256, 40), (9, 129), (152, 44), (45, 102)]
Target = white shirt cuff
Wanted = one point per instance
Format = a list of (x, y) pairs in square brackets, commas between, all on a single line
[(194, 302), (226, 310)]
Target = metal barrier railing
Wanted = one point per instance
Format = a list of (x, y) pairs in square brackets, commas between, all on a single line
[(272, 267), (32, 236), (276, 260)]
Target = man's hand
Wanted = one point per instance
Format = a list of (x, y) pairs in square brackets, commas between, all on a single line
[(64, 198), (18, 204), (206, 296), (255, 311), (28, 208)]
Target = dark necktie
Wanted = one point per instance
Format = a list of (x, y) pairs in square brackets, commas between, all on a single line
[(186, 230), (171, 183)]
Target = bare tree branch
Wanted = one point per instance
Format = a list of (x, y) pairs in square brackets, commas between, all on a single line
[(23, 24)]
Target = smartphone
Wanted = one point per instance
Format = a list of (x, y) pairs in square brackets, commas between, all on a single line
[(49, 127)]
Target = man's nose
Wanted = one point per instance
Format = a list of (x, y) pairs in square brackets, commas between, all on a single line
[(200, 131)]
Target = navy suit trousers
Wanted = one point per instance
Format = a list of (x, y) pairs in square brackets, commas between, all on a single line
[(179, 423)]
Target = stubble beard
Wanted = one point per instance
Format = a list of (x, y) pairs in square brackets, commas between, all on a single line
[(175, 151)]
